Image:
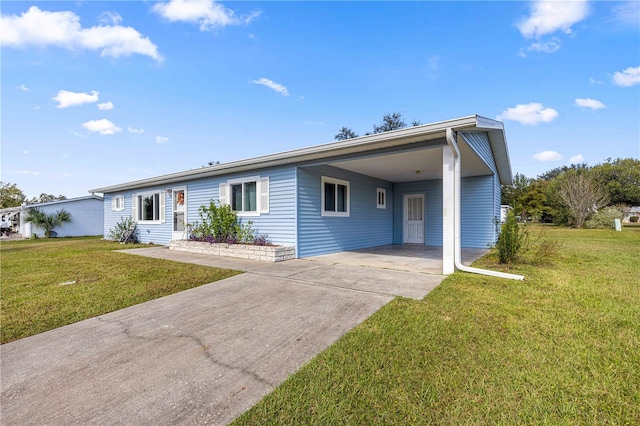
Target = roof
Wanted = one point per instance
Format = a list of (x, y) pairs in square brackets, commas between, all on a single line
[(51, 203), (362, 144)]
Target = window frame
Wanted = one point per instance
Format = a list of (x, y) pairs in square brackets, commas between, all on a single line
[(381, 192), (117, 203), (138, 200), (347, 197), (242, 182)]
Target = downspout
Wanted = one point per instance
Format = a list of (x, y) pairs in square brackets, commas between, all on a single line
[(456, 218)]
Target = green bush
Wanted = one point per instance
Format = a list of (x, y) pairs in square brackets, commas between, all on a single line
[(219, 224), (121, 227), (511, 239), (604, 218)]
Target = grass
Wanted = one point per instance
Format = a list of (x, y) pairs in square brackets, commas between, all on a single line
[(34, 297), (561, 347)]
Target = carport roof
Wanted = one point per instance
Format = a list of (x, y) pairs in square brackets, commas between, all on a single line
[(363, 144)]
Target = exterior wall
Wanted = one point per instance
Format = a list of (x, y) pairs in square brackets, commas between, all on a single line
[(432, 191), (279, 223), (366, 226), (477, 213), (479, 142), (86, 217)]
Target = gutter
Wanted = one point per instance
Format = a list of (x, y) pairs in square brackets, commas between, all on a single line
[(456, 209)]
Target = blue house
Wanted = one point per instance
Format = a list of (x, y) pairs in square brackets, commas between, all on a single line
[(436, 184)]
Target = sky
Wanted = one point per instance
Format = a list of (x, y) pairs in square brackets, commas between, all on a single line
[(97, 93)]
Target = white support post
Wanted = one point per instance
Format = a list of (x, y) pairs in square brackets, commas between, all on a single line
[(448, 211)]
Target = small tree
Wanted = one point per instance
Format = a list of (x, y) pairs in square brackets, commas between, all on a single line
[(48, 221), (510, 240), (345, 133), (390, 122), (582, 197)]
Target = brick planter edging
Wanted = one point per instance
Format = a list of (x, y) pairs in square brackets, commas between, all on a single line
[(241, 251)]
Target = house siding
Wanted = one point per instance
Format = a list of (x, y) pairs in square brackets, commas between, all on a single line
[(432, 191), (278, 224), (86, 217), (366, 226), (477, 215)]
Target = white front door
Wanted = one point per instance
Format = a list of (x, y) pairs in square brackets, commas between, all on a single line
[(414, 219), (179, 200)]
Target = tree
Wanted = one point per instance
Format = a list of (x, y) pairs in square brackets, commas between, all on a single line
[(390, 122), (45, 198), (621, 179), (558, 171), (582, 196), (10, 195), (47, 221), (345, 133), (512, 193)]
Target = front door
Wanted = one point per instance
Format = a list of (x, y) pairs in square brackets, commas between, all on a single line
[(414, 219), (179, 200)]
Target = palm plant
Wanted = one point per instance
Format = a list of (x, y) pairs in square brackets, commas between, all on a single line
[(48, 221)]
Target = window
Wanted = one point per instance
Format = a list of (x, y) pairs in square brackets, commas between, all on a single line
[(149, 207), (117, 203), (335, 197), (382, 198), (247, 197)]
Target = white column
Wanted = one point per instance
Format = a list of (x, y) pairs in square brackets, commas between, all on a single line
[(448, 212)]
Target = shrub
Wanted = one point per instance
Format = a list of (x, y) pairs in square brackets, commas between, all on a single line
[(511, 239), (219, 224), (48, 221), (604, 218), (125, 224)]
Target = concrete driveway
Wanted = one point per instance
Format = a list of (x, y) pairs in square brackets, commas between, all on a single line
[(202, 356)]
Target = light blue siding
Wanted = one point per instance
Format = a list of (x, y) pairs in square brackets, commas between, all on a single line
[(366, 226), (86, 217), (278, 224), (432, 191), (490, 198), (477, 228)]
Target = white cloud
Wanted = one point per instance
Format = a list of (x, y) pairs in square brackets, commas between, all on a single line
[(549, 16), (272, 85), (28, 172), (136, 131), (162, 140), (106, 106), (532, 113), (589, 103), (36, 107), (104, 127), (627, 77), (547, 156), (23, 88), (110, 18), (627, 13), (66, 99), (594, 81), (576, 159), (26, 152), (546, 47), (40, 28), (206, 13)]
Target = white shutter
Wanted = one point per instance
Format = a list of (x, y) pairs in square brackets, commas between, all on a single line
[(113, 202), (162, 206), (222, 194), (134, 208), (264, 195)]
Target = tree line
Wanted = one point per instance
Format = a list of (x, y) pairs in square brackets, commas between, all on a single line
[(12, 196), (571, 195)]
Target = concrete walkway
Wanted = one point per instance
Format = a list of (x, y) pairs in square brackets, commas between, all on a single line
[(202, 356)]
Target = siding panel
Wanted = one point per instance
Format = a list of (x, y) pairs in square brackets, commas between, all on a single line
[(366, 226), (86, 217), (477, 212)]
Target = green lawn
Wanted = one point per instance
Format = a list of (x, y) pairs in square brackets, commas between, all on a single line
[(34, 297), (561, 347)]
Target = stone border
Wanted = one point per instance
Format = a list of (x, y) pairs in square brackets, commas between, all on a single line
[(240, 251)]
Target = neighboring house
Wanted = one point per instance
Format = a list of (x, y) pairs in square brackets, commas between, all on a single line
[(87, 217), (631, 212), (397, 187)]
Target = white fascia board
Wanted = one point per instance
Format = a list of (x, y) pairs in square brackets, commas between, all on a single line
[(392, 138), (66, 200)]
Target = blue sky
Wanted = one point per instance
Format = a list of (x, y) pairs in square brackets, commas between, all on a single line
[(97, 93)]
